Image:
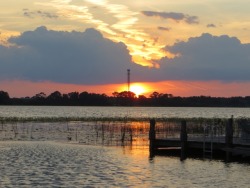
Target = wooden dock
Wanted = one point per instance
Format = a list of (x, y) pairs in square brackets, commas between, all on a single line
[(226, 146)]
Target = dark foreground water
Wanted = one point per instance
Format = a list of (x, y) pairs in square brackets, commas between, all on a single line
[(83, 154), (62, 164)]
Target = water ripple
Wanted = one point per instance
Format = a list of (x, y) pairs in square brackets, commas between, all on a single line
[(55, 164)]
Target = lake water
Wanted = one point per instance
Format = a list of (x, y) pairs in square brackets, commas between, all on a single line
[(57, 164), (121, 112), (47, 159)]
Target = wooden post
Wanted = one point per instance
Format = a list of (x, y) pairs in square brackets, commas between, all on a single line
[(152, 137), (183, 138), (229, 137)]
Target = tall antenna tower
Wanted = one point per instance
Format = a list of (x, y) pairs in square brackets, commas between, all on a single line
[(128, 79)]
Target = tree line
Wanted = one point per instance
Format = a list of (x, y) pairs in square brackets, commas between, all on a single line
[(124, 98)]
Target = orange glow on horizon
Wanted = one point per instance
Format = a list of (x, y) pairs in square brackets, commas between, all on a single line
[(20, 88), (136, 88)]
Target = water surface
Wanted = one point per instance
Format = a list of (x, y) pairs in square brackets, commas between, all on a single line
[(121, 112), (58, 164), (47, 159)]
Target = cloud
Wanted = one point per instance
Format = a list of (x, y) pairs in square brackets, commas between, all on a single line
[(89, 58), (211, 25), (208, 58), (116, 21), (173, 16), (65, 57), (164, 28), (39, 13)]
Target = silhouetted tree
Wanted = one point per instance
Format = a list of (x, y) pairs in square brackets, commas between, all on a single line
[(40, 95), (155, 95), (4, 97), (156, 98), (142, 101), (73, 96), (38, 99), (125, 98), (55, 98)]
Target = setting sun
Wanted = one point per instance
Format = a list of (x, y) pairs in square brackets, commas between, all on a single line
[(137, 89)]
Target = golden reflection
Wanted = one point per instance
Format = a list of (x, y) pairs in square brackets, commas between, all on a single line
[(139, 147)]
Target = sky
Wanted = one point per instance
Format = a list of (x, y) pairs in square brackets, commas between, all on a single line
[(184, 48)]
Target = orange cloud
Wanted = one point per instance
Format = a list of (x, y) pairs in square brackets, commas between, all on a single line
[(123, 29)]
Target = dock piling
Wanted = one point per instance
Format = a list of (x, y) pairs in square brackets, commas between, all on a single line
[(183, 139), (152, 137), (229, 137)]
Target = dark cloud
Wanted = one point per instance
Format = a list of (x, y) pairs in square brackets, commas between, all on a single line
[(39, 13), (211, 25), (208, 58), (67, 57), (164, 28), (173, 16), (89, 58)]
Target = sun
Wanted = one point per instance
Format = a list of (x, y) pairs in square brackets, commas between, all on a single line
[(137, 89)]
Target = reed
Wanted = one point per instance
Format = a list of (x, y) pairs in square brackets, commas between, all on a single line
[(109, 131), (107, 119)]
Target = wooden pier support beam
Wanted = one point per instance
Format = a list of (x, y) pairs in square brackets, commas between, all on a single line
[(229, 133), (152, 137), (183, 138), (229, 138)]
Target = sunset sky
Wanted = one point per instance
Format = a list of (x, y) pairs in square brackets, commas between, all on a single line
[(186, 48)]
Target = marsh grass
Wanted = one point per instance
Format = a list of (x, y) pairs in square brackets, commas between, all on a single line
[(115, 131)]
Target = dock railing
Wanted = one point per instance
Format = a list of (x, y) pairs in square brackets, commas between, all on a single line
[(205, 134), (242, 131), (198, 128)]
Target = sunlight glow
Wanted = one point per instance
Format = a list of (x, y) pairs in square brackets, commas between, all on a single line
[(5, 35), (138, 89), (143, 47)]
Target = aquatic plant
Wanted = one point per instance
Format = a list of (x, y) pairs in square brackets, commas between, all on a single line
[(109, 119), (110, 131)]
